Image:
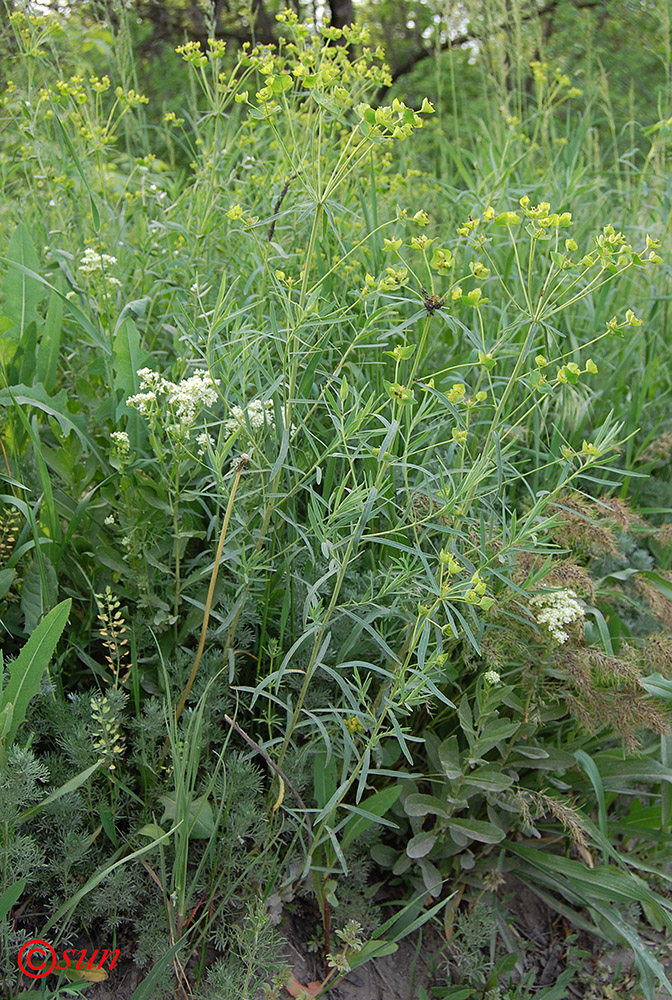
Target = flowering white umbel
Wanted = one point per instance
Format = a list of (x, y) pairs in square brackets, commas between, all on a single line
[(203, 440), (184, 398), (557, 608), (98, 264), (491, 677), (258, 414), (121, 442), (93, 261)]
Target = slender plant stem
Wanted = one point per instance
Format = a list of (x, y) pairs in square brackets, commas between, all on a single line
[(211, 589)]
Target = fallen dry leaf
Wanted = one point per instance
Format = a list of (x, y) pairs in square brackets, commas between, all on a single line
[(295, 989)]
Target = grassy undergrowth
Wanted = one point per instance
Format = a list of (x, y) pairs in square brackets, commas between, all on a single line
[(335, 471)]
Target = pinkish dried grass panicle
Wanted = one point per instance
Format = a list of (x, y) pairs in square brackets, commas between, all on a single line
[(535, 805), (607, 694), (656, 652), (659, 450), (590, 525), (660, 606)]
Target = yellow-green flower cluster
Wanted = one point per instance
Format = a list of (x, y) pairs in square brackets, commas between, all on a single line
[(32, 31), (394, 278), (450, 563), (305, 61), (395, 121), (561, 85), (567, 374)]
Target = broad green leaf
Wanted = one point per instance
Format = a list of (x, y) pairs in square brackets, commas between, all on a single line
[(6, 716), (6, 580), (591, 769), (424, 805), (50, 343), (372, 949), (500, 730), (25, 672), (657, 685), (376, 805), (449, 755), (619, 774), (606, 883), (53, 406), (39, 592), (486, 833), (10, 897), (324, 778), (95, 335), (26, 354), (431, 876), (489, 778), (200, 820), (421, 844), (22, 291), (128, 359), (658, 582), (152, 830)]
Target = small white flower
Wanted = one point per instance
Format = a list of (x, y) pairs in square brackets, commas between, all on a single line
[(191, 394), (203, 440), (557, 608), (183, 399), (177, 431), (110, 519), (121, 442), (258, 414), (491, 677), (142, 401), (93, 261)]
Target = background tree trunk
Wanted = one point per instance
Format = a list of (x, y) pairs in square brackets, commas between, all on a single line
[(342, 12)]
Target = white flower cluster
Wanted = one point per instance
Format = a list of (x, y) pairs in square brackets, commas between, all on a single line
[(97, 263), (94, 261), (203, 440), (258, 414), (121, 442), (556, 609), (191, 394), (491, 677), (184, 398)]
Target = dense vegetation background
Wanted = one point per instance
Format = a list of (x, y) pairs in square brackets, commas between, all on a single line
[(335, 528)]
